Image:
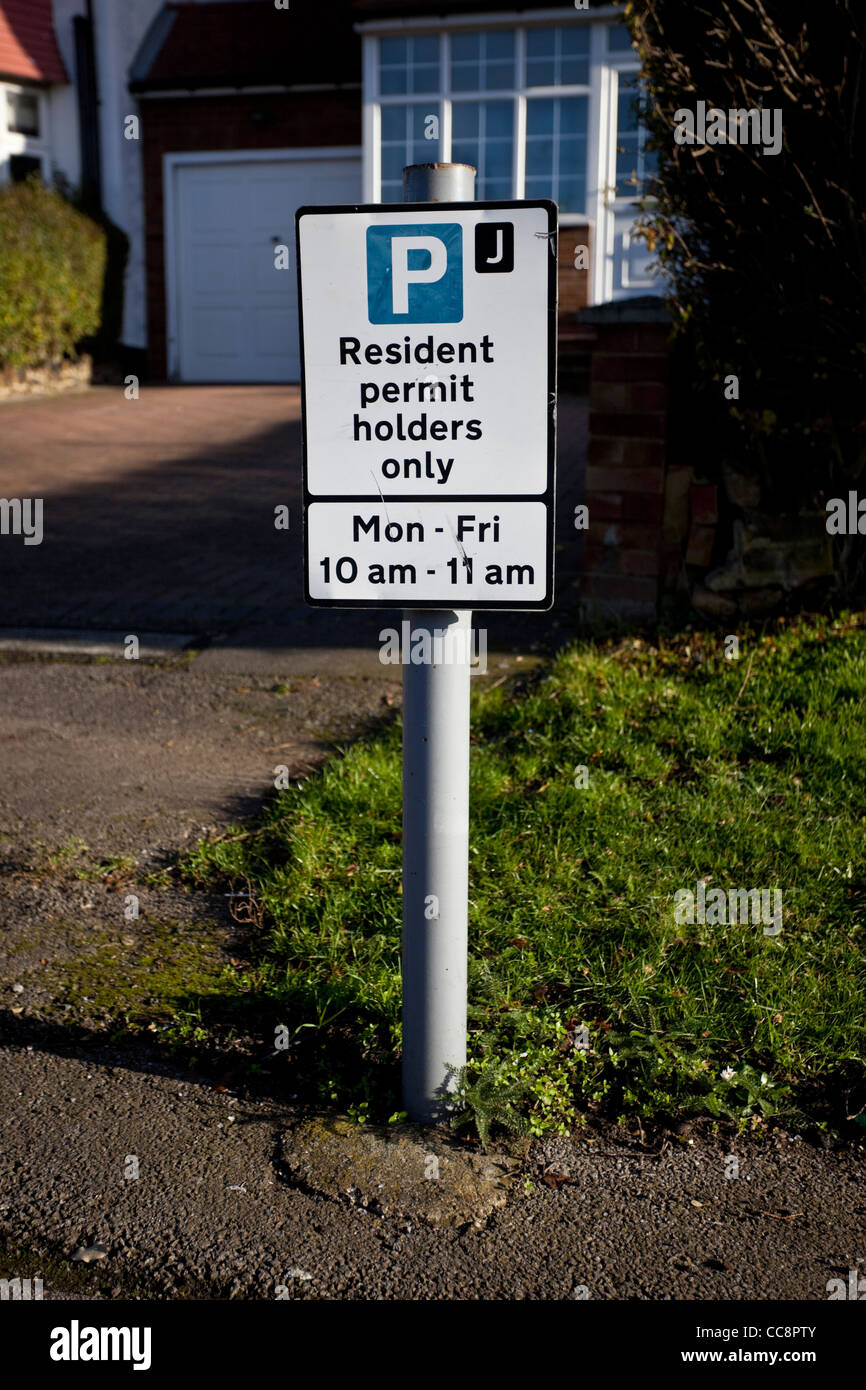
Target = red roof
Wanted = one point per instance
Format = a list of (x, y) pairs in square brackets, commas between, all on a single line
[(28, 45)]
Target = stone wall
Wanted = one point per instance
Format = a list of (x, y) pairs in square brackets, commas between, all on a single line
[(45, 380)]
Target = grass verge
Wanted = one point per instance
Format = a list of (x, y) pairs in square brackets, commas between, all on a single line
[(586, 993)]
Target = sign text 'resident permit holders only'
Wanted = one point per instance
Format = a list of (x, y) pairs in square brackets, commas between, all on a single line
[(428, 363)]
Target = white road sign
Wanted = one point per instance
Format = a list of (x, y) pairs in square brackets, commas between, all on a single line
[(428, 349)]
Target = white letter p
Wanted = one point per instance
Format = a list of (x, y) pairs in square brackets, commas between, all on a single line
[(402, 277)]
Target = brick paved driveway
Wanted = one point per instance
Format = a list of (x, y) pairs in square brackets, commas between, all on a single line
[(158, 513)]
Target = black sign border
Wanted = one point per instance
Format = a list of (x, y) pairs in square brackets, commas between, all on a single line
[(549, 495)]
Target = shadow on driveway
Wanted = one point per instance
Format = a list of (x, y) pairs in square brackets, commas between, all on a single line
[(159, 517)]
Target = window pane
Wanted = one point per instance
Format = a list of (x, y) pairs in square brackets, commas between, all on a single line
[(539, 116), (393, 123), (570, 195), (557, 56), (482, 62), (618, 39), (556, 150), (499, 119), (419, 114), (498, 76), (425, 79), (497, 159), (23, 111), (628, 110), (572, 154), (635, 166), (497, 190), (426, 51), (540, 59), (574, 39), (574, 71), (500, 44), (539, 72), (464, 119), (627, 177), (539, 157), (464, 152), (465, 47), (498, 58), (392, 53), (482, 134), (393, 159), (408, 65), (392, 81), (539, 42), (572, 115), (423, 150), (404, 142), (424, 58), (465, 77)]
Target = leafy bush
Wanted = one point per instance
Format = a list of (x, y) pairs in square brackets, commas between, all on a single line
[(52, 264), (766, 254)]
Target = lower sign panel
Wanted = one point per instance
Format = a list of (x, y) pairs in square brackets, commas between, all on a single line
[(484, 554)]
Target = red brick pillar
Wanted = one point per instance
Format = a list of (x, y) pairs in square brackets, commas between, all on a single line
[(622, 559)]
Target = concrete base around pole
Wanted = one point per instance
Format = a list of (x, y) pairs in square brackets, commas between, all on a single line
[(435, 861)]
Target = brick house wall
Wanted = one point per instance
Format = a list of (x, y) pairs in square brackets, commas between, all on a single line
[(575, 341), (573, 284), (626, 548)]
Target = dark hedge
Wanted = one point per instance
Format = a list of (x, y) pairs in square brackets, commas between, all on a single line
[(766, 254)]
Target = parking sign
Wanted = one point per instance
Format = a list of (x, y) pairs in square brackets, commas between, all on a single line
[(415, 273), (428, 351)]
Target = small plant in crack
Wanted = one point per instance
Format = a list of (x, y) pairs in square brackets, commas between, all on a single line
[(489, 1099)]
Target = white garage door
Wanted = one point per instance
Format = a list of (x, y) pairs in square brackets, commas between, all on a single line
[(235, 316)]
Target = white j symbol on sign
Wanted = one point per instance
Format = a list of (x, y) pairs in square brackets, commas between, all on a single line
[(494, 260)]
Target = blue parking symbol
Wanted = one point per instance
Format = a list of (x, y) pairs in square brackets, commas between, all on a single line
[(415, 273)]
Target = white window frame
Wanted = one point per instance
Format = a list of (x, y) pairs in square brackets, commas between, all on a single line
[(11, 142), (607, 203), (441, 103)]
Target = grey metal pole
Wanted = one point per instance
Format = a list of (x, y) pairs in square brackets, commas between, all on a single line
[(435, 806)]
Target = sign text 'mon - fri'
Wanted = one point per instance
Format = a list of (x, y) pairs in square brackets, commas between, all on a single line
[(428, 352)]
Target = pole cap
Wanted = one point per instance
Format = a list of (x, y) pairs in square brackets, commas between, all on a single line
[(439, 183)]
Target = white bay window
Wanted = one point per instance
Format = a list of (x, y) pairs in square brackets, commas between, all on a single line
[(464, 95), (543, 107)]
